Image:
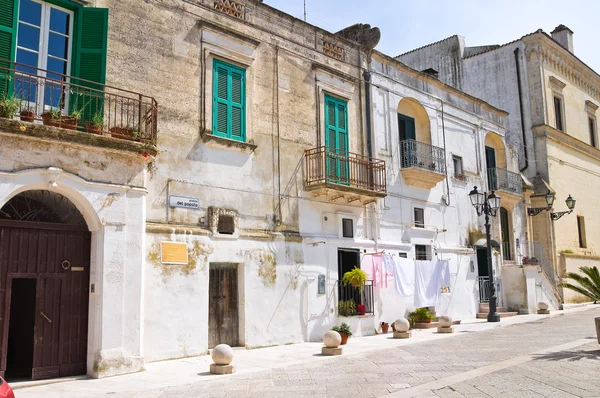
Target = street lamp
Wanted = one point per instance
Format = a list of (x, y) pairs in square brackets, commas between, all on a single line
[(570, 205), (488, 204)]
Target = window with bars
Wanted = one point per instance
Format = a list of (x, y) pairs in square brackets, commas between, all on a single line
[(421, 252), (229, 101)]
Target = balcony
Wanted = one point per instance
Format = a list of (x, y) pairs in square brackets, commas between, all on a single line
[(508, 184), (423, 165), (344, 176), (88, 109), (355, 301)]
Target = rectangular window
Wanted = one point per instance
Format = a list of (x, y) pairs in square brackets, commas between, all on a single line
[(592, 127), (347, 228), (558, 114), (403, 255), (458, 168), (229, 101), (581, 230), (419, 217), (421, 252)]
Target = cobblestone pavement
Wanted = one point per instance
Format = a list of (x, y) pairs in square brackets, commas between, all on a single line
[(554, 357)]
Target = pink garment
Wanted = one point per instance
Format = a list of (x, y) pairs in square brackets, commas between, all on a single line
[(378, 268)]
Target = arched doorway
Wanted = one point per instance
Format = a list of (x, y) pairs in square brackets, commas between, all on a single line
[(44, 279)]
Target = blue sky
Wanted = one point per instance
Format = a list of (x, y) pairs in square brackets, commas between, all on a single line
[(407, 25)]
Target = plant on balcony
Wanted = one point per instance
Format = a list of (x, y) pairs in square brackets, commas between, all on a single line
[(344, 331), (530, 260), (27, 114), (55, 118), (460, 177), (8, 106), (126, 133), (357, 278), (588, 280), (420, 315), (94, 126), (346, 307)]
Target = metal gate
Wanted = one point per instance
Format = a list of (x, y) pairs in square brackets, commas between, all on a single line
[(223, 319), (484, 289), (57, 256)]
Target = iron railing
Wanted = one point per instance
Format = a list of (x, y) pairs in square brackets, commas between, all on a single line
[(362, 297), (329, 165), (78, 104), (536, 255), (484, 289), (507, 251), (424, 156), (502, 179)]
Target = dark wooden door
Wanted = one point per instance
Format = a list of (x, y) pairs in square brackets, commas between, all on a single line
[(47, 329), (58, 257), (223, 318)]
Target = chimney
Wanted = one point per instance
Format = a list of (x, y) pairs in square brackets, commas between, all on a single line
[(564, 37)]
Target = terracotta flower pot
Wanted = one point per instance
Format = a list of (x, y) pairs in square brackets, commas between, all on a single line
[(27, 116), (344, 339), (384, 327), (68, 122), (124, 133), (90, 128), (427, 320)]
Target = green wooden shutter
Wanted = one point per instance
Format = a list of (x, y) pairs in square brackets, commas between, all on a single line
[(90, 60), (8, 35), (229, 101), (336, 139)]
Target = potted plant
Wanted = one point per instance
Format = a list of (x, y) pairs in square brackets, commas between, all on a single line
[(27, 115), (51, 117), (384, 327), (127, 133), (8, 106), (420, 315), (94, 126), (344, 331), (357, 278), (346, 308), (55, 118)]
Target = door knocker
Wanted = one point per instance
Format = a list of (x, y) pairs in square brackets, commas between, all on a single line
[(66, 265)]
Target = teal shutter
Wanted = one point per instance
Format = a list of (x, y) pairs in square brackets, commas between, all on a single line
[(229, 101), (336, 139), (8, 36), (90, 59)]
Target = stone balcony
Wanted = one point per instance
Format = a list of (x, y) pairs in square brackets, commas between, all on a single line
[(422, 165), (508, 185)]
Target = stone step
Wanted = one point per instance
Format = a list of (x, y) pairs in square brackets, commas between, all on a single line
[(486, 308), (483, 315)]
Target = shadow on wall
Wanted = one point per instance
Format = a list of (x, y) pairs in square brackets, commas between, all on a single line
[(200, 152)]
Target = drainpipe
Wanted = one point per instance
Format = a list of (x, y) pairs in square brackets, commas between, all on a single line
[(367, 77), (521, 108)]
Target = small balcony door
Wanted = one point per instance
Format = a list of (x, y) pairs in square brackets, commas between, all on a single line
[(336, 140), (406, 129), (490, 160)]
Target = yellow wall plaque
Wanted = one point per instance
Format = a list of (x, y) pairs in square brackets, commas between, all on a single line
[(173, 253)]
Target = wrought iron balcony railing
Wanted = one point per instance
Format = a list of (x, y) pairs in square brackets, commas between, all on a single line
[(77, 104), (329, 165), (502, 179), (353, 295), (424, 156)]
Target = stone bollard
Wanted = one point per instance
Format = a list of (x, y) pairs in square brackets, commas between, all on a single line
[(445, 322), (402, 327), (543, 308), (598, 328), (332, 341), (222, 355)]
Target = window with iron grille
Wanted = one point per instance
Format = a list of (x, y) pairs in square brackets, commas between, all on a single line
[(229, 101), (421, 252), (347, 228), (419, 217)]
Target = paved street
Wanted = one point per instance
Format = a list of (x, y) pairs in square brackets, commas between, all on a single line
[(556, 356)]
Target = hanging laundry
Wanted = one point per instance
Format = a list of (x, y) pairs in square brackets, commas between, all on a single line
[(444, 266), (404, 276), (378, 269), (428, 283), (388, 262)]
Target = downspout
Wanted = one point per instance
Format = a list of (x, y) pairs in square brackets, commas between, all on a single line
[(367, 77), (447, 200), (521, 108), (279, 212)]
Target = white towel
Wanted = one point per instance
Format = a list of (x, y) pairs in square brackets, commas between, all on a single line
[(404, 276), (427, 283), (444, 268)]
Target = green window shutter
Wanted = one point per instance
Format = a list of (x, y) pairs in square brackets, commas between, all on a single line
[(8, 36), (229, 101), (336, 139), (89, 60)]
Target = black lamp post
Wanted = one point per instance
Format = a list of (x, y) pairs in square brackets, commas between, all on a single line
[(488, 204)]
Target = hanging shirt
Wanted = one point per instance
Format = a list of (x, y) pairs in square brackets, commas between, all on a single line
[(388, 263), (444, 269), (378, 270), (404, 276)]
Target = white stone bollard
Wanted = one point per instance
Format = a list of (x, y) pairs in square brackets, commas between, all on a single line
[(543, 308), (446, 323), (332, 341), (222, 355), (402, 326)]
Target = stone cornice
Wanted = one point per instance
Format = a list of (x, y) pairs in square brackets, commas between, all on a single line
[(549, 132), (560, 60)]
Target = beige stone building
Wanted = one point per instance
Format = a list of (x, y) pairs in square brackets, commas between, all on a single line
[(552, 98)]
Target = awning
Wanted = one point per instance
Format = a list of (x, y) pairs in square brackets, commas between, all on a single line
[(483, 243)]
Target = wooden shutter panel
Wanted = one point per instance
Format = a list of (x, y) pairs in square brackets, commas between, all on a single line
[(8, 35), (90, 60), (220, 101), (229, 101), (237, 105)]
